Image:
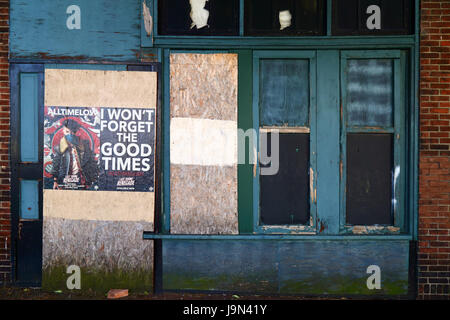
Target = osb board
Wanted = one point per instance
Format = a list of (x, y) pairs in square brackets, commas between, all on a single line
[(93, 88), (203, 108), (99, 205), (97, 245), (203, 86), (203, 142), (203, 199)]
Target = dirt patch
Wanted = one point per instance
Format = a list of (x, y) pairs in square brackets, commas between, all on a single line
[(39, 294)]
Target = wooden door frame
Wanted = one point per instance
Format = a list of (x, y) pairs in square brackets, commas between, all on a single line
[(20, 170)]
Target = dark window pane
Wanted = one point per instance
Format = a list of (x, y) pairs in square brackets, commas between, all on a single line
[(369, 179), (221, 17), (284, 197), (284, 92), (298, 17), (370, 94), (346, 16), (350, 17)]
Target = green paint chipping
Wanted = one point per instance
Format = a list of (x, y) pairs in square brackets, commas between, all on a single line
[(99, 282)]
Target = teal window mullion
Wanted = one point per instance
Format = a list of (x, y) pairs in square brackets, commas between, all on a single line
[(245, 122)]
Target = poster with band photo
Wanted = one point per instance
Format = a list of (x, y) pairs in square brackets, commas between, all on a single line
[(100, 149)]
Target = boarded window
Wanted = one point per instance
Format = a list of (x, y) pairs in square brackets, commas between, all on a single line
[(284, 92), (210, 18), (370, 94), (369, 179), (298, 17), (284, 197)]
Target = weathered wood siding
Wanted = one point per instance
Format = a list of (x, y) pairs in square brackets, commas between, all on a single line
[(286, 267), (110, 30)]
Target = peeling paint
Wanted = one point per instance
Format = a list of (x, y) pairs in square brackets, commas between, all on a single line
[(148, 20), (394, 229), (396, 175), (374, 229), (291, 229)]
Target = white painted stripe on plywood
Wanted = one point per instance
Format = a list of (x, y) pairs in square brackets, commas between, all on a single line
[(203, 142)]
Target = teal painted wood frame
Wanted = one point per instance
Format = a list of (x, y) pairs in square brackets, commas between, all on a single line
[(257, 237), (328, 148), (275, 43), (311, 57), (245, 122), (398, 130), (165, 140)]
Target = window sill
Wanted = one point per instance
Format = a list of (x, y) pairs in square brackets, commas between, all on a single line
[(153, 236)]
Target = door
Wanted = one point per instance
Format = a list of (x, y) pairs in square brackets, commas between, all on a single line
[(27, 102)]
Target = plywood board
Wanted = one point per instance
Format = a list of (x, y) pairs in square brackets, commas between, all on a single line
[(203, 86), (203, 143), (203, 199), (89, 88)]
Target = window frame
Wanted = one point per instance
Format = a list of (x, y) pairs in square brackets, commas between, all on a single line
[(398, 130), (309, 55)]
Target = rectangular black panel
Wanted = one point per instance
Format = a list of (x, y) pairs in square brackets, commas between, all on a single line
[(350, 17), (369, 179), (284, 197), (262, 17), (221, 17)]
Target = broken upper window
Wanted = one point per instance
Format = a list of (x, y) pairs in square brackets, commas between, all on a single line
[(284, 17), (198, 17)]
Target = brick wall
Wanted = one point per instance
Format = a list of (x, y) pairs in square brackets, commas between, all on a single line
[(434, 179), (5, 220)]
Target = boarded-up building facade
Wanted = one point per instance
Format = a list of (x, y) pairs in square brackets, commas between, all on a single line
[(279, 147)]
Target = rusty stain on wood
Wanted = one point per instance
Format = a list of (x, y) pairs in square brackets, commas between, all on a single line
[(322, 227)]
